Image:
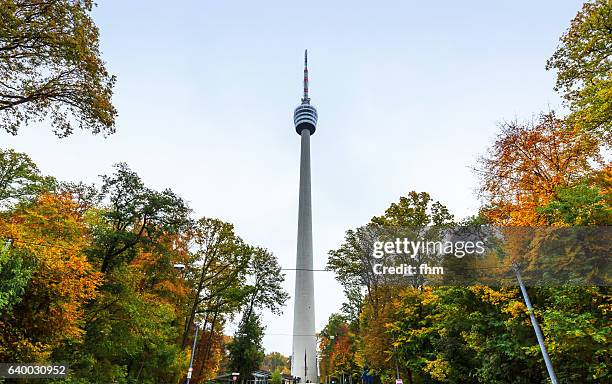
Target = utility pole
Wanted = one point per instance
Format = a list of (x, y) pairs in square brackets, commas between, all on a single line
[(536, 327)]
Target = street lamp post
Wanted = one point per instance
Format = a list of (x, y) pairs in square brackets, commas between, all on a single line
[(536, 327), (195, 338)]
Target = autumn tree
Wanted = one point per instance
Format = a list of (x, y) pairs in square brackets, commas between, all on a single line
[(338, 346), (92, 270), (275, 361), (210, 349), (369, 296), (137, 235), (584, 68), (133, 326), (528, 163), (50, 67), (218, 267), (375, 343), (50, 237)]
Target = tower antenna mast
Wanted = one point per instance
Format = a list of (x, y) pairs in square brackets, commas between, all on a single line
[(305, 99)]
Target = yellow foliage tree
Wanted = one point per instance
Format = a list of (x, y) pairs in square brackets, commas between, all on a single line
[(528, 163), (53, 235)]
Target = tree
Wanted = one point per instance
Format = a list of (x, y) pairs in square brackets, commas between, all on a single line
[(275, 361), (576, 324), (276, 377), (218, 268), (412, 330), (370, 296), (585, 203), (51, 237), (352, 264), (265, 288), (528, 163), (15, 273), (135, 215), (210, 350), (414, 215), (417, 210), (337, 343), (538, 174), (20, 179), (87, 275), (584, 68), (245, 350), (131, 334), (50, 67)]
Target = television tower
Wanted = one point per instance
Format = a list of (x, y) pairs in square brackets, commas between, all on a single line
[(304, 356)]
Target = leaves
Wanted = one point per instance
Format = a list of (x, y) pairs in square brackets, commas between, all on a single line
[(20, 179), (50, 68), (92, 274), (528, 163), (584, 68), (51, 237), (245, 350)]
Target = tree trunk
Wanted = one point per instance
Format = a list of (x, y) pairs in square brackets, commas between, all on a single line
[(194, 308)]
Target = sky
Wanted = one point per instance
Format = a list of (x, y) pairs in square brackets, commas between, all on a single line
[(409, 95)]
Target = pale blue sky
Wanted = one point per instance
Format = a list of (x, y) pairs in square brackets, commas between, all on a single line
[(408, 92)]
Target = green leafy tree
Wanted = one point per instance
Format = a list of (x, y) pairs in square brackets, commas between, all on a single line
[(265, 285), (417, 210), (580, 204), (276, 377), (414, 215), (20, 179), (50, 67), (15, 273), (130, 336), (576, 322), (584, 68), (135, 215), (245, 350)]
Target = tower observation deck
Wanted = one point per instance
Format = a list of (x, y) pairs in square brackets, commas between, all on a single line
[(304, 352)]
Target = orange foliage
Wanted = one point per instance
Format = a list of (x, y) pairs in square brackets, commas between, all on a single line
[(158, 275), (528, 163), (342, 352), (53, 236), (209, 353)]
